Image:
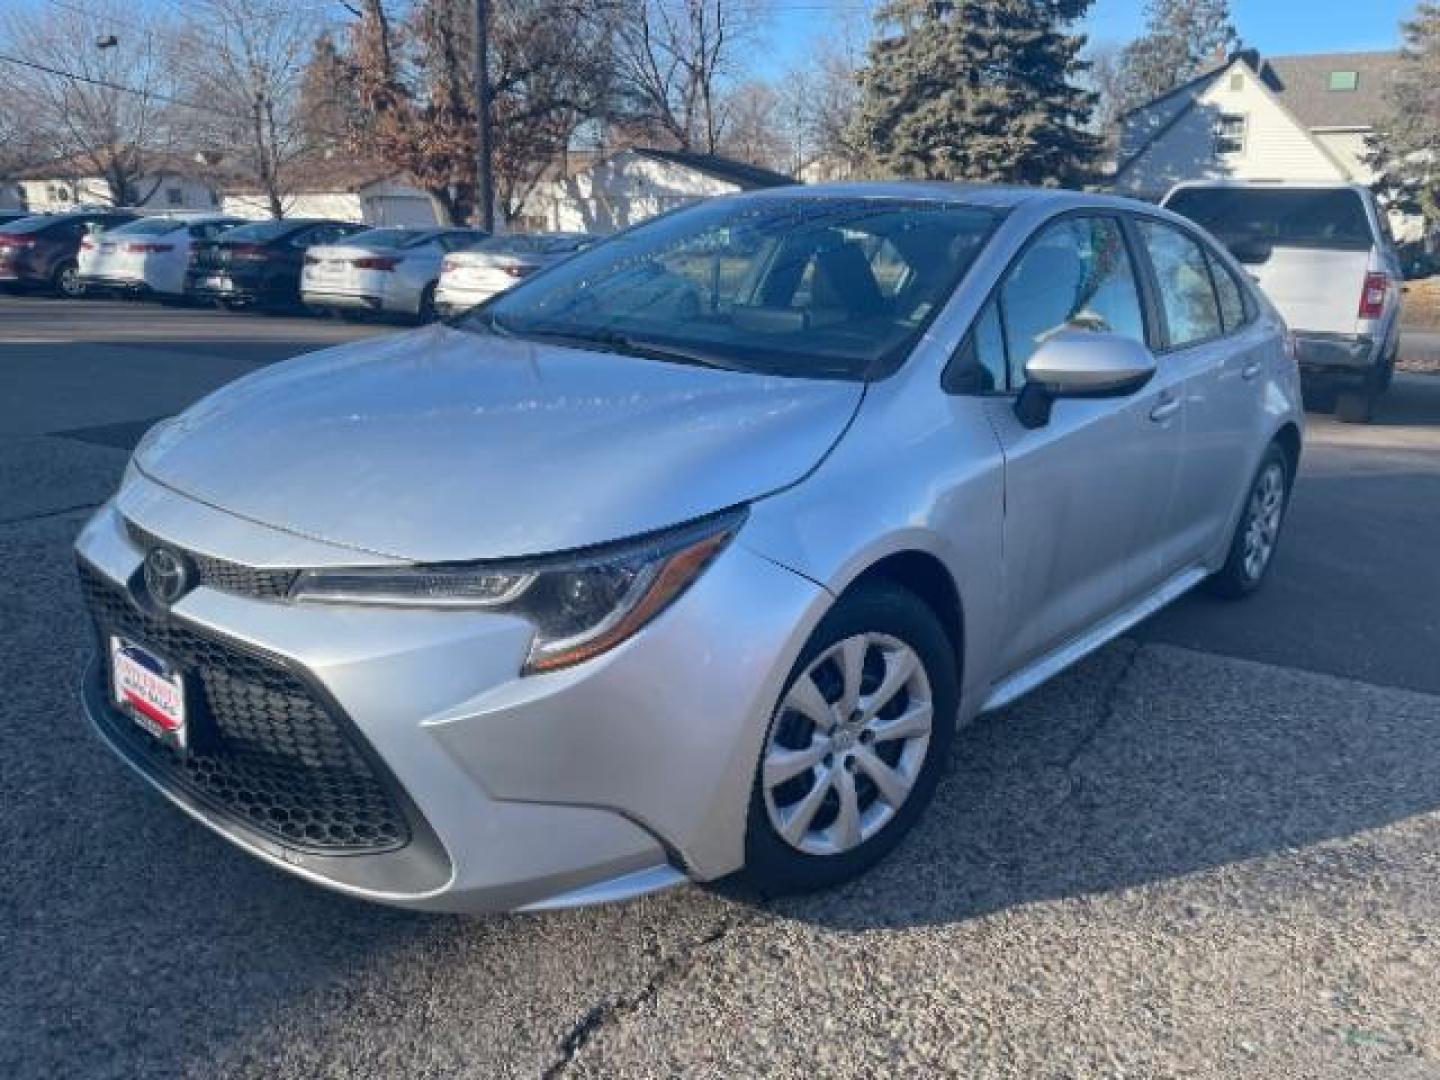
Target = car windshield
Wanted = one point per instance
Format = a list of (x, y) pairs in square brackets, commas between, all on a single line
[(824, 287), (1286, 217), (32, 224), (263, 230), (149, 227)]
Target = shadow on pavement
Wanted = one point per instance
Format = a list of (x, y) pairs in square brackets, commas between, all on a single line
[(1147, 763)]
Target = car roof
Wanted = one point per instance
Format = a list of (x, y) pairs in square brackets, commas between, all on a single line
[(997, 196)]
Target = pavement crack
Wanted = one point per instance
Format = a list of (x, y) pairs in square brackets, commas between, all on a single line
[(672, 969), (1106, 713)]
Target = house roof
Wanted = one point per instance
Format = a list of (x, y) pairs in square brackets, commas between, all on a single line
[(1303, 84), (156, 162), (722, 168), (326, 175)]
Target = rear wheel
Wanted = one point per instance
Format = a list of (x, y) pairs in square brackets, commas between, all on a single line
[(66, 280), (856, 745), (1258, 532)]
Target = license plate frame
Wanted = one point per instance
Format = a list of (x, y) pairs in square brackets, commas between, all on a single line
[(150, 691)]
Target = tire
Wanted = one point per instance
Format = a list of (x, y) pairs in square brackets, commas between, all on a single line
[(66, 280), (1252, 548), (1357, 406), (426, 311), (891, 626)]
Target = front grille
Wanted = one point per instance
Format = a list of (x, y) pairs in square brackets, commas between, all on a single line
[(231, 577), (263, 749)]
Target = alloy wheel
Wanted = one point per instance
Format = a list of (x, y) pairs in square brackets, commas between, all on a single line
[(1262, 526), (848, 744)]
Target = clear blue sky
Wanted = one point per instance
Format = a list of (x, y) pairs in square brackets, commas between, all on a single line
[(1272, 26)]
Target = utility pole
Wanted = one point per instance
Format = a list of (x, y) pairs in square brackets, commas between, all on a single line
[(484, 174)]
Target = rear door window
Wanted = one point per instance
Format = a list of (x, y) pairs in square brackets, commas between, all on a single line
[(1232, 299), (1187, 296), (1282, 217)]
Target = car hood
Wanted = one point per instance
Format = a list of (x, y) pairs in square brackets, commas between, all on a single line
[(442, 445)]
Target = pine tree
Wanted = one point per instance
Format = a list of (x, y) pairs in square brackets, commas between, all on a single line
[(1181, 39), (1406, 145), (976, 90)]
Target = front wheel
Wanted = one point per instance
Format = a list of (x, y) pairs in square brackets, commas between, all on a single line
[(1257, 534), (856, 745)]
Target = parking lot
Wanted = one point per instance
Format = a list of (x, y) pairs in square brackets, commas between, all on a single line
[(1210, 850)]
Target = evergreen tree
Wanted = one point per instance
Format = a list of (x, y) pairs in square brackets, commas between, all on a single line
[(1406, 145), (1181, 39), (976, 90)]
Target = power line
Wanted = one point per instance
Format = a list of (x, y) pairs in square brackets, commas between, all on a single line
[(112, 85)]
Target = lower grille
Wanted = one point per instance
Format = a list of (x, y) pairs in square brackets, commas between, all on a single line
[(263, 749)]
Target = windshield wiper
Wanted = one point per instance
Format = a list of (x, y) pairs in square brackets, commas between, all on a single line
[(618, 342)]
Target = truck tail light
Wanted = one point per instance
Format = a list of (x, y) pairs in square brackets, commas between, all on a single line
[(1372, 296), (376, 263)]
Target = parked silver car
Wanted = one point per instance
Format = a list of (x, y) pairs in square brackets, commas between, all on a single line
[(472, 276), (381, 270), (687, 556), (1324, 255)]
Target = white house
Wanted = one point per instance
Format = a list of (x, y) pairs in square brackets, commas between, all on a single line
[(173, 182), (341, 188), (631, 185), (1291, 118)]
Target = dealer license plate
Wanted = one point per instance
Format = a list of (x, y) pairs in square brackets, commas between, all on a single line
[(148, 690)]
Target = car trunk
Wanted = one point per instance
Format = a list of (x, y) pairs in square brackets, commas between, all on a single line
[(485, 273)]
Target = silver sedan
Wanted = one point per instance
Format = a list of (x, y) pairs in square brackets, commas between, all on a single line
[(391, 271), (686, 557)]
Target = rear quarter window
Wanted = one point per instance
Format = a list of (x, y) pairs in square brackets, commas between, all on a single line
[(1332, 218)]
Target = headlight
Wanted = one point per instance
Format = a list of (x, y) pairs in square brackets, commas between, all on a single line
[(580, 604)]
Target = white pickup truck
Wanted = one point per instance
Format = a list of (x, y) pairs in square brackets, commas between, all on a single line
[(1324, 256)]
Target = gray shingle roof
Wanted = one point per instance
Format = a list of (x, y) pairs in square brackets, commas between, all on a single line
[(1303, 84), (744, 175)]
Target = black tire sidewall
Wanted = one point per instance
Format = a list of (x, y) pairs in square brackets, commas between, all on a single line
[(774, 867)]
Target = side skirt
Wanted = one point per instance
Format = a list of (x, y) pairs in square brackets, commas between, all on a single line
[(1052, 663)]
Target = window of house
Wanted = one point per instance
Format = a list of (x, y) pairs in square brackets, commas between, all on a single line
[(1237, 82), (58, 193), (1344, 80), (175, 196), (1230, 134)]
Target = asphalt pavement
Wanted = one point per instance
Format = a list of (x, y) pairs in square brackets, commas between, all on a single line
[(1210, 850)]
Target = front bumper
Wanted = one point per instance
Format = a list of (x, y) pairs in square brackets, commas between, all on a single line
[(592, 783)]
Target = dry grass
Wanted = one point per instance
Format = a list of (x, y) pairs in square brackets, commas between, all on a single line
[(1422, 304)]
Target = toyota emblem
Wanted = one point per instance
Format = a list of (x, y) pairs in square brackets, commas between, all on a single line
[(167, 575)]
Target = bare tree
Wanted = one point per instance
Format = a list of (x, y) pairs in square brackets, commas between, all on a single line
[(549, 72), (756, 126), (673, 60), (246, 58), (111, 110)]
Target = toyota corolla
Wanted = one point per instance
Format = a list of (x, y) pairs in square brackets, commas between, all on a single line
[(685, 557)]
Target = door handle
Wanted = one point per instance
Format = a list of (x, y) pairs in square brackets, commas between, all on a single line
[(1167, 408), (1250, 370)]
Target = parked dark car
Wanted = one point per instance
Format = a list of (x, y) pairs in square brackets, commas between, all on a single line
[(259, 264), (40, 251)]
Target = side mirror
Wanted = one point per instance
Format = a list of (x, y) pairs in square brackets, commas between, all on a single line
[(1251, 252), (1081, 364)]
